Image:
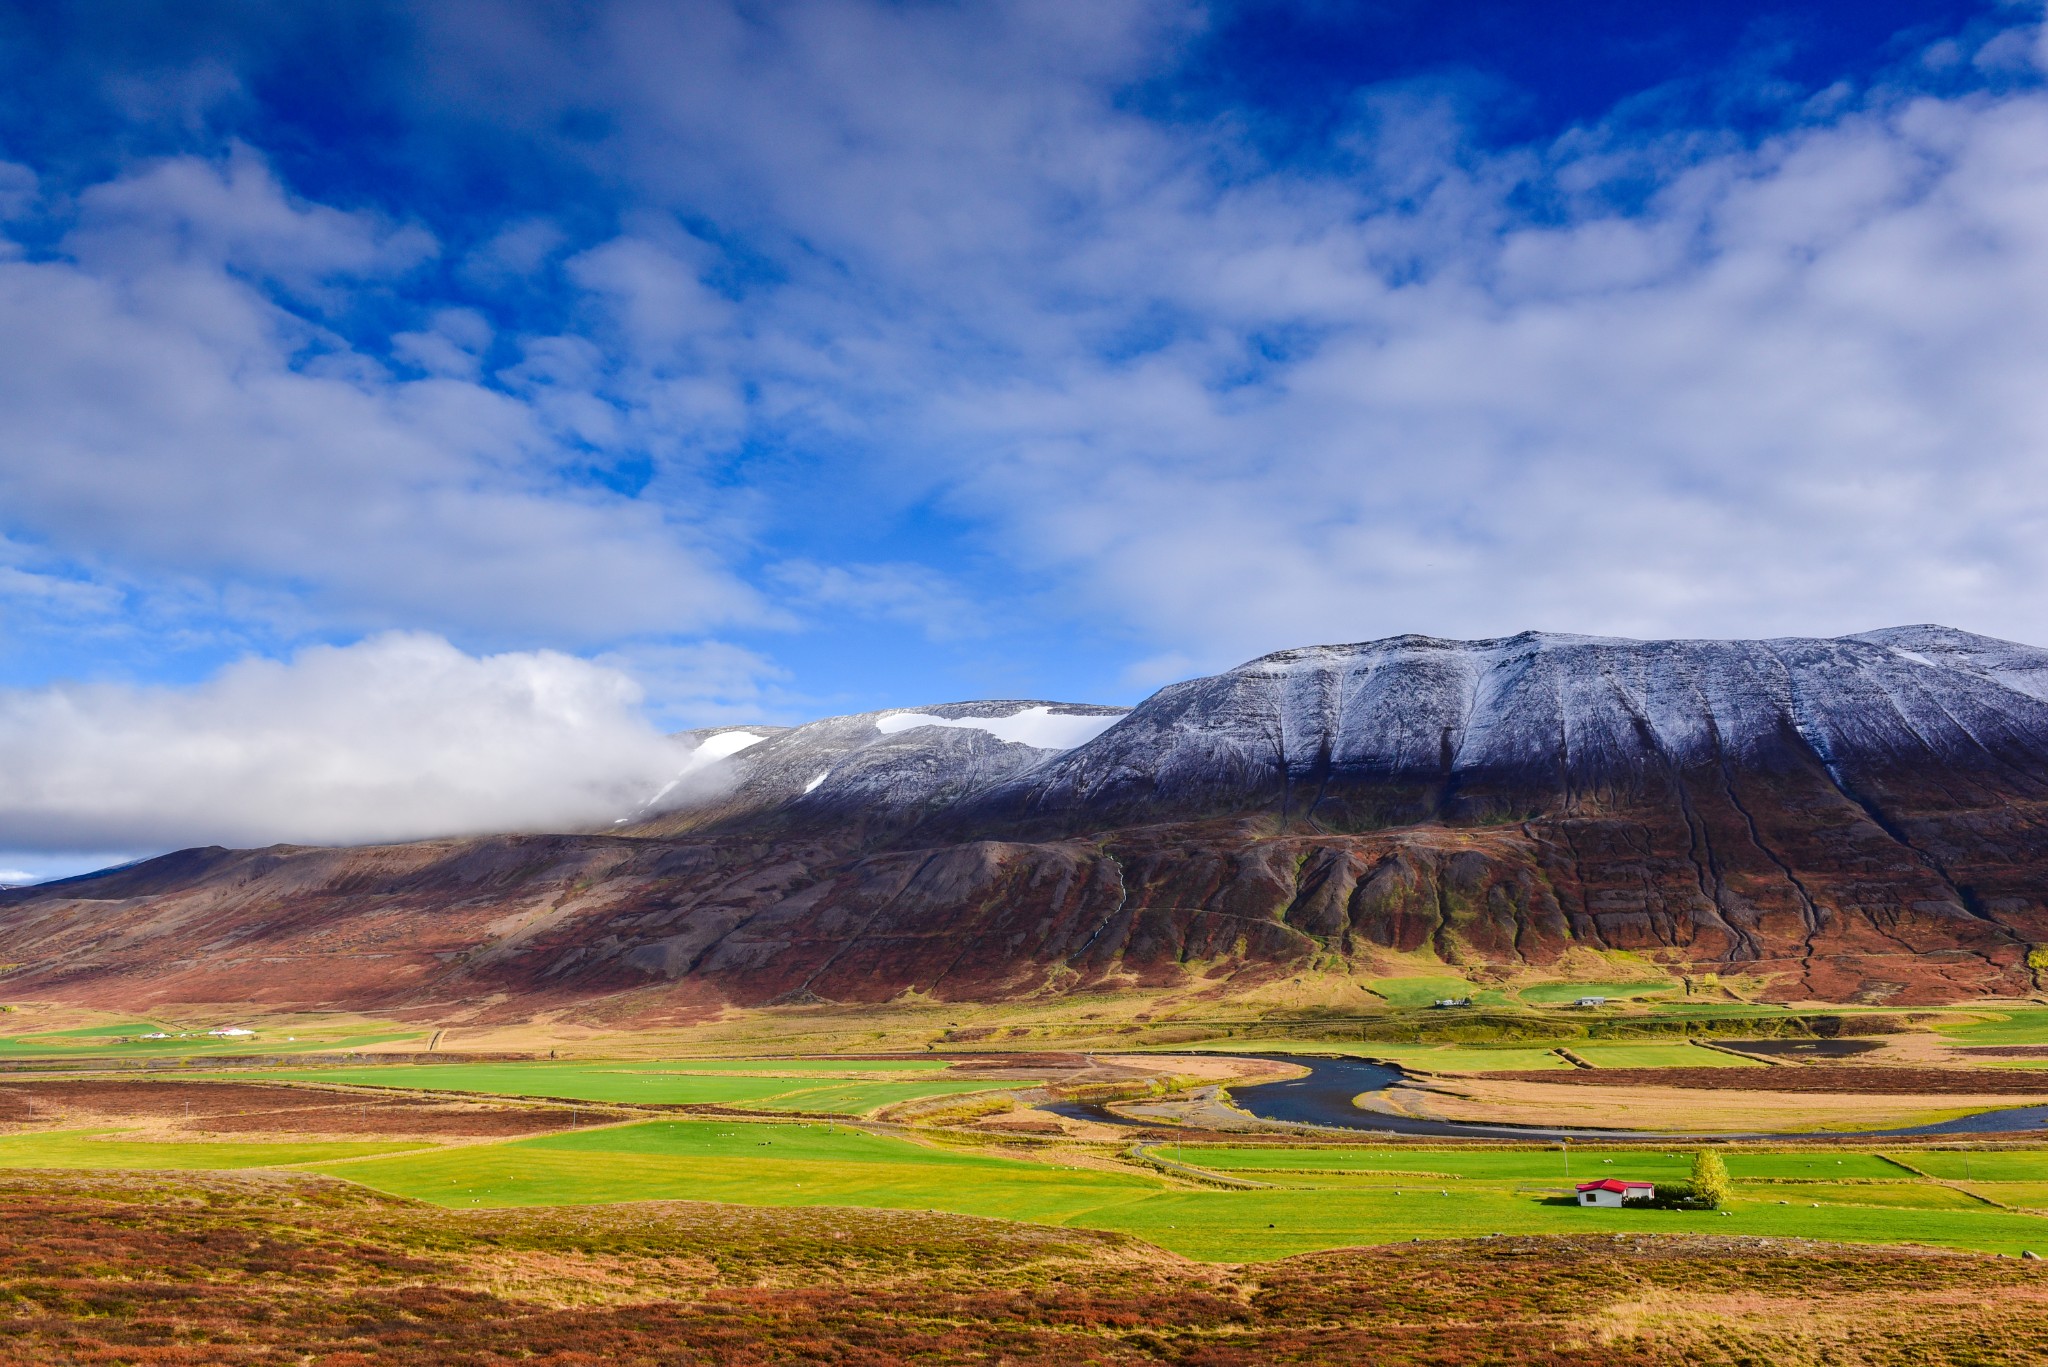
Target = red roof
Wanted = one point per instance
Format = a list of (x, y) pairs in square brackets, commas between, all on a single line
[(1615, 1184)]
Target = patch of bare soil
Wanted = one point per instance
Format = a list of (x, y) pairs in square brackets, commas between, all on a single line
[(255, 1108), (1864, 1080), (2003, 1050)]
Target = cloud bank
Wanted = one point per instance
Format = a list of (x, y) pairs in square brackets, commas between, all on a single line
[(398, 737)]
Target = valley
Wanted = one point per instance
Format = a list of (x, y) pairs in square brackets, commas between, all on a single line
[(1223, 1028)]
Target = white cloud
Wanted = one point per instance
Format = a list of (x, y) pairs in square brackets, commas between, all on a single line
[(397, 737), (929, 270), (161, 410), (707, 683), (915, 594), (1238, 405)]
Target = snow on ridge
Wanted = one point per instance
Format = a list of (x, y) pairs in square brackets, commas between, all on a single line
[(1038, 727), (722, 745)]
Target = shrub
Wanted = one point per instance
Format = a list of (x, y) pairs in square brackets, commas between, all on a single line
[(1678, 1196), (1710, 1185)]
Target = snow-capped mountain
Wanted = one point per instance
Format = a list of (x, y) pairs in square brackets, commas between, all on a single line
[(871, 771), (1415, 728), (1858, 818)]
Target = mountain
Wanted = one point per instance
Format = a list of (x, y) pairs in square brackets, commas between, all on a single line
[(1862, 818), (871, 773)]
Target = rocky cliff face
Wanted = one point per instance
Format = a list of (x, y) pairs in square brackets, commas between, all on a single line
[(1860, 818)]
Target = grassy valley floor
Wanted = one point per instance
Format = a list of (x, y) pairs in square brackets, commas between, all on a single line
[(912, 1206)]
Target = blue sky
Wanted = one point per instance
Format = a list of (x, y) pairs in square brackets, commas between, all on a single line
[(733, 361)]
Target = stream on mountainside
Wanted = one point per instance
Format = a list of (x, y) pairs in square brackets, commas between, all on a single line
[(1324, 1097)]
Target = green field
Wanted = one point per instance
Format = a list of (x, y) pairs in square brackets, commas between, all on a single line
[(122, 1041), (2018, 1025), (1410, 993), (1229, 1226), (809, 1085), (105, 1149), (1439, 1058), (1501, 1058), (1956, 1165), (751, 1164), (1680, 1055), (1321, 1198), (1553, 994), (1549, 1164), (1493, 1191)]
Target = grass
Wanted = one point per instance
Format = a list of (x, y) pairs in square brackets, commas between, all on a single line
[(102, 1149), (791, 1066), (1518, 1165), (1603, 1055), (1547, 1164), (2014, 1026), (1451, 1058), (1501, 1058), (1954, 1165), (89, 1032), (1550, 994), (1229, 1225), (1325, 1197), (845, 1088), (750, 1164), (118, 1041), (1409, 993), (1491, 1191), (2032, 1195)]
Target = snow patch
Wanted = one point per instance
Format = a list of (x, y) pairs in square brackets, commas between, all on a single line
[(812, 785), (1039, 727), (723, 745)]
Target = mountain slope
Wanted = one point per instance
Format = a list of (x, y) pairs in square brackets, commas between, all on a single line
[(1864, 818), (1416, 729), (872, 773)]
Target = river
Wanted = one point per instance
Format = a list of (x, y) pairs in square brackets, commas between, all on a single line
[(1324, 1097)]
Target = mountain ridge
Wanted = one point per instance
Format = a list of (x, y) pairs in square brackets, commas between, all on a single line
[(1853, 818)]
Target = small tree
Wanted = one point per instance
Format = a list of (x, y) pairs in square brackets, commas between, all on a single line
[(1709, 1179)]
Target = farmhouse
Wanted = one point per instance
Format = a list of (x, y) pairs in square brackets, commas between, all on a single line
[(1612, 1191), (1442, 1002), (1590, 1001)]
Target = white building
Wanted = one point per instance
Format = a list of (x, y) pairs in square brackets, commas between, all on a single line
[(1612, 1191)]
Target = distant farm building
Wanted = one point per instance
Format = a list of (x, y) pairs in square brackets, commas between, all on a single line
[(1451, 1001), (1590, 1001), (1612, 1191), (230, 1032)]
